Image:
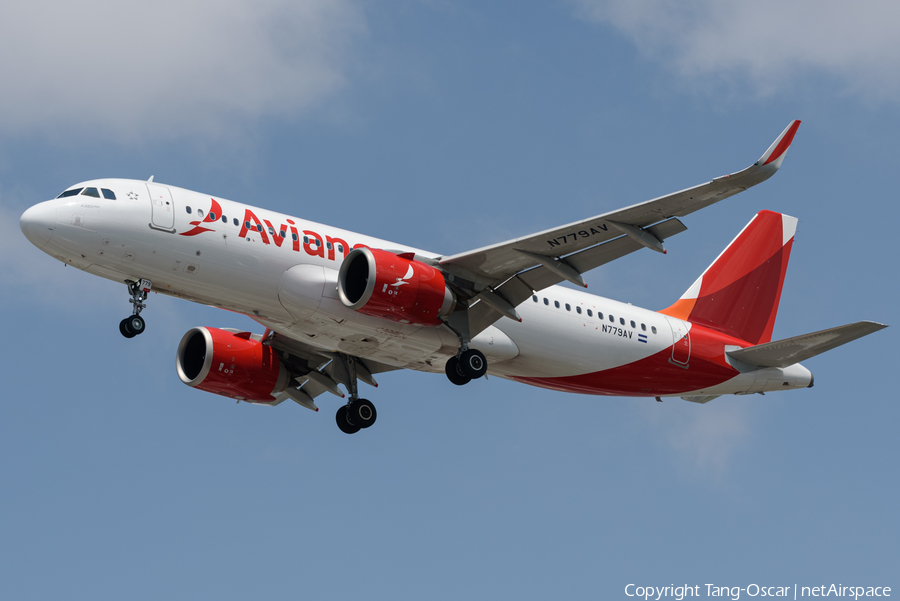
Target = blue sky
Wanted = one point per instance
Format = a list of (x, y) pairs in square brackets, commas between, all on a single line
[(448, 126)]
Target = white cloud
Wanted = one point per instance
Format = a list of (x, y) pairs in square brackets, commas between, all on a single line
[(765, 44), (704, 437), (171, 67)]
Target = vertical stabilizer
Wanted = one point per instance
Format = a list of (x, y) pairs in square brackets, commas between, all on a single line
[(739, 293)]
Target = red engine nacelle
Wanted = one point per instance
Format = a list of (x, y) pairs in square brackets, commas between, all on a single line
[(383, 284), (232, 365)]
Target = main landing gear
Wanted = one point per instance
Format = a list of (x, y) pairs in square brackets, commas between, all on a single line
[(134, 325), (358, 413), (470, 364)]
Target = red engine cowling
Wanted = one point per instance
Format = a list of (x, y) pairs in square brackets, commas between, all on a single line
[(383, 284), (232, 365)]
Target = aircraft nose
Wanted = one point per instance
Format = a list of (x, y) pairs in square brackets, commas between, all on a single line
[(37, 223)]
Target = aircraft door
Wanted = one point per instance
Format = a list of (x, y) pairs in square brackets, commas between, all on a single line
[(162, 208), (681, 342)]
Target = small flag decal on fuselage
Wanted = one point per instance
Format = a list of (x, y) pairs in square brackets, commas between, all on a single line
[(642, 338)]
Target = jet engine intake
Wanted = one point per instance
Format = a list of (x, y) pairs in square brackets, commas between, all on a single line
[(232, 365), (383, 284)]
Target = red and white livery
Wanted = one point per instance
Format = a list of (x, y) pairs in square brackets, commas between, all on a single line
[(339, 307)]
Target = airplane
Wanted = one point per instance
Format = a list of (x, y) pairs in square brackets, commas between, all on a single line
[(339, 307)]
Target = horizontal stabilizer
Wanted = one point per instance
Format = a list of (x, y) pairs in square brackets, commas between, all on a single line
[(789, 351)]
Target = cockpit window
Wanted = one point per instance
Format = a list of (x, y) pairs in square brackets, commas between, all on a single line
[(92, 192), (72, 192), (108, 194)]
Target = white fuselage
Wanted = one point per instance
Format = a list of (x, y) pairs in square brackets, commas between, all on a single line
[(165, 234)]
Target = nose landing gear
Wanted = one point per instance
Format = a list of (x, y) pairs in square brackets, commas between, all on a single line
[(134, 325)]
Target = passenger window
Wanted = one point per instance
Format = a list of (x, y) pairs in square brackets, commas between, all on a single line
[(224, 219), (644, 327), (599, 315), (108, 194), (305, 239), (212, 216), (556, 303), (259, 227), (200, 213), (188, 209), (653, 329), (568, 307), (612, 319), (633, 325), (546, 302), (318, 242), (282, 234), (622, 321), (590, 313), (271, 231), (341, 248), (578, 310), (92, 192), (72, 192), (294, 237), (534, 298)]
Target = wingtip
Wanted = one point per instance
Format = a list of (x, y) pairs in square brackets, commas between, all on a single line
[(779, 147)]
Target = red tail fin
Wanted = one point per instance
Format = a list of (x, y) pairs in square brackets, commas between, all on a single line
[(739, 293)]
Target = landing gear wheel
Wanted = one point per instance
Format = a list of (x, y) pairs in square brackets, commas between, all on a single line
[(362, 412), (136, 324), (343, 423), (454, 372), (123, 328), (472, 363)]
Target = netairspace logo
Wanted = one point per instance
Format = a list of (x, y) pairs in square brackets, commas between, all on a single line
[(678, 593)]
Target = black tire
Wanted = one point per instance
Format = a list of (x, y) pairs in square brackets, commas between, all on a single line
[(124, 329), (343, 423), (362, 412), (136, 324), (473, 364), (454, 372)]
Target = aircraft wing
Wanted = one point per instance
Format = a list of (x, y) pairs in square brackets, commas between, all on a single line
[(316, 371), (501, 276)]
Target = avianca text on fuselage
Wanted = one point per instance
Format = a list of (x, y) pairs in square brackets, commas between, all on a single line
[(314, 244)]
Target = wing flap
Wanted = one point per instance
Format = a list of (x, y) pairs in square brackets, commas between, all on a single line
[(789, 351)]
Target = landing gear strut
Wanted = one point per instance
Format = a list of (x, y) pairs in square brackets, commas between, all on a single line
[(358, 413), (134, 325), (468, 364)]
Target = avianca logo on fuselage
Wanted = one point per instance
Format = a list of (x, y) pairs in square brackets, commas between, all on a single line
[(215, 211), (313, 244)]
